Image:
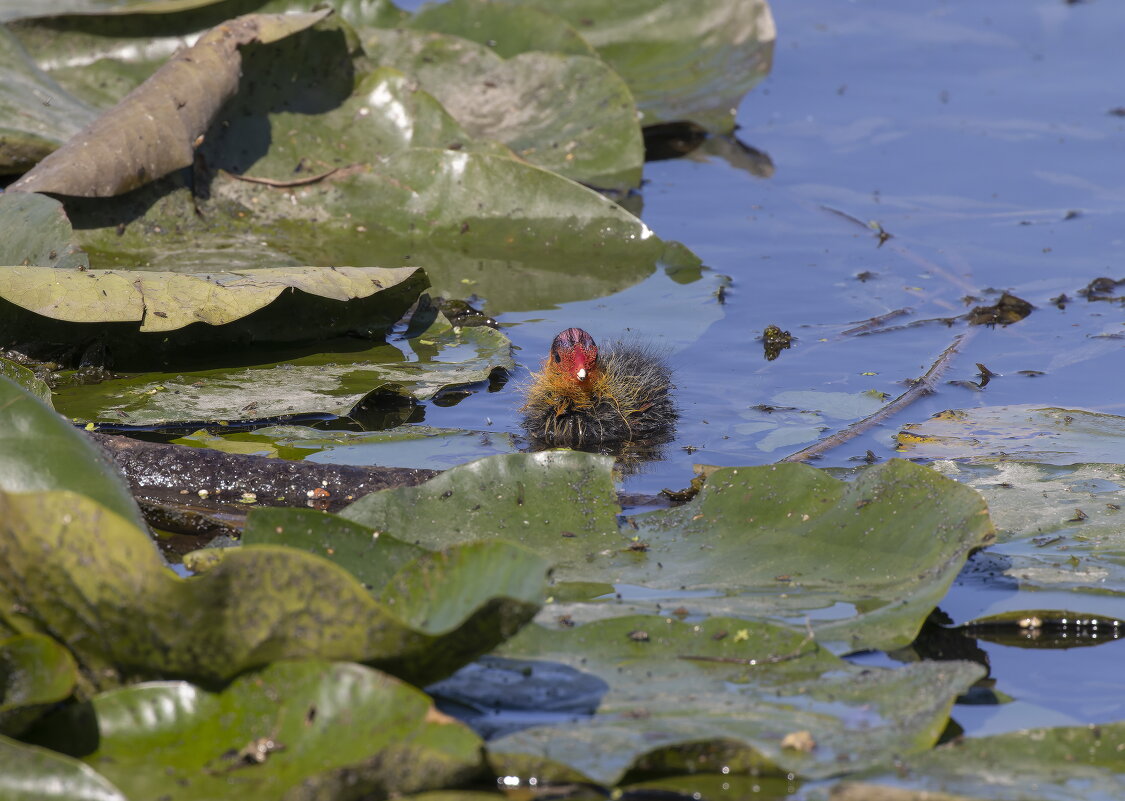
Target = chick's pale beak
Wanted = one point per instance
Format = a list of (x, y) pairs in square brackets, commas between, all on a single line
[(581, 374)]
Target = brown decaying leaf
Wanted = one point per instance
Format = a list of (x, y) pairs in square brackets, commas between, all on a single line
[(152, 131)]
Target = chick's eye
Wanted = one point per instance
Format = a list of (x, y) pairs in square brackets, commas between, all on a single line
[(557, 356)]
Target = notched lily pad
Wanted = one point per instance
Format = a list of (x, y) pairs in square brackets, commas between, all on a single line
[(681, 63), (570, 114), (270, 734)]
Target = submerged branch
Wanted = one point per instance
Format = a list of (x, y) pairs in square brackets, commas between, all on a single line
[(920, 387)]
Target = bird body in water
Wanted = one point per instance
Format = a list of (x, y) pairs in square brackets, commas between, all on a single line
[(582, 397)]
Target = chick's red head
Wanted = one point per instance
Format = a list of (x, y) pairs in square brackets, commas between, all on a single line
[(575, 354)]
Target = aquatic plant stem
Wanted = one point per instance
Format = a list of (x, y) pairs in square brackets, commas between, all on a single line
[(919, 388)]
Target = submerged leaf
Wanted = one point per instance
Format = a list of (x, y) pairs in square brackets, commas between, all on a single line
[(331, 381), (1026, 432)]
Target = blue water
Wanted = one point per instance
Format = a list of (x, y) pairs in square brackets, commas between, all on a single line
[(979, 136)]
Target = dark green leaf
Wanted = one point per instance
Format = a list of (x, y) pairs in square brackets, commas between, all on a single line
[(691, 60), (31, 773), (295, 730), (37, 232), (536, 499), (570, 114), (35, 672), (36, 114), (506, 30), (62, 554), (39, 450)]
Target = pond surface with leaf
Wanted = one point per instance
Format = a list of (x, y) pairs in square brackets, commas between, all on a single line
[(231, 232)]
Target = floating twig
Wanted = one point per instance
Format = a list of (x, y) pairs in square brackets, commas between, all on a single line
[(920, 387)]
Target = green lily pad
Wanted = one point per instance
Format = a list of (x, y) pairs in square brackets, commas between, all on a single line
[(682, 63), (37, 232), (570, 114), (402, 446), (371, 556), (1026, 432), (329, 381), (39, 450), (31, 773), (507, 30), (153, 130), (35, 673), (866, 560), (1057, 764), (62, 554), (271, 734), (723, 693), (533, 498), (26, 379), (38, 115)]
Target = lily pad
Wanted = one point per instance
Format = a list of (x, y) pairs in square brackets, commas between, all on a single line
[(1057, 764), (1025, 432), (38, 115), (722, 693), (31, 773), (506, 29), (1058, 528), (867, 560), (329, 382), (62, 554), (37, 232), (535, 498), (682, 62), (39, 450), (371, 556), (26, 379), (570, 114), (270, 734), (35, 673)]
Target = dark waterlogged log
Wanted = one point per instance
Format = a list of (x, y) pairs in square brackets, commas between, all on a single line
[(205, 491)]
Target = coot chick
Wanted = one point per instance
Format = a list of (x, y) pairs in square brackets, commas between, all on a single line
[(581, 398)]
